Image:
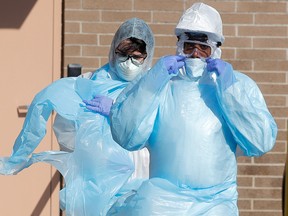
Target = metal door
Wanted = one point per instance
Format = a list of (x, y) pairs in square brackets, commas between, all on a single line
[(30, 56)]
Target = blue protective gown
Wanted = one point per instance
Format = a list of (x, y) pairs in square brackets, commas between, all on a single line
[(192, 129), (96, 173)]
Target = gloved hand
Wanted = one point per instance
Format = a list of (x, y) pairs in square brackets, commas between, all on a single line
[(99, 104), (223, 70), (173, 63)]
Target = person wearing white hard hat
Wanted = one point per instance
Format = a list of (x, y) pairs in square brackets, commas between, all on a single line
[(195, 114)]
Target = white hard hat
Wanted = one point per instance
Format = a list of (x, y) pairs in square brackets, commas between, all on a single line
[(203, 19)]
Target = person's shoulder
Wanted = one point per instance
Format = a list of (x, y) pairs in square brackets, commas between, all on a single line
[(244, 79), (242, 76)]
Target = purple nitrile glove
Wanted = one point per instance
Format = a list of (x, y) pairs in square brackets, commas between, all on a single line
[(99, 104), (173, 63), (223, 70)]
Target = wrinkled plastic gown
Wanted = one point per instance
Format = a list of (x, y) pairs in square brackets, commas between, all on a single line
[(192, 129), (92, 181)]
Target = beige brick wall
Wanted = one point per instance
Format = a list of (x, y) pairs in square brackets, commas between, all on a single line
[(256, 44)]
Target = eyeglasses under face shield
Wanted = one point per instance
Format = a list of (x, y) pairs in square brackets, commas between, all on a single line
[(190, 43)]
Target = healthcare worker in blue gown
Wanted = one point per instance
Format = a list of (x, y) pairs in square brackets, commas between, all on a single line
[(195, 114), (96, 170)]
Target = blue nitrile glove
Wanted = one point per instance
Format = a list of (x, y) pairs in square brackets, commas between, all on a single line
[(99, 104), (223, 70), (173, 63)]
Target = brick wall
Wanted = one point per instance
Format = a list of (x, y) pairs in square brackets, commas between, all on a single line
[(256, 44)]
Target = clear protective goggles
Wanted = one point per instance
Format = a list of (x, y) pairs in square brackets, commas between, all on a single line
[(188, 47), (135, 59)]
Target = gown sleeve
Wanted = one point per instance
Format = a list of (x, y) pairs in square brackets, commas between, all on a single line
[(133, 114), (245, 111), (34, 127)]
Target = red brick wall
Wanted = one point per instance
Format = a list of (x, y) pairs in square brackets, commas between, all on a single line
[(256, 44)]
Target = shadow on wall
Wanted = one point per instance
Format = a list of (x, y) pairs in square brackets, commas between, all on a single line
[(14, 12)]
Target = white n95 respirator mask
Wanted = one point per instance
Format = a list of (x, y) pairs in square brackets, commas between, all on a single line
[(127, 70), (193, 69)]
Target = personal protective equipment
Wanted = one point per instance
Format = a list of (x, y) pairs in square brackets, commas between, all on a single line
[(223, 70), (201, 18), (193, 69), (95, 156), (136, 28), (173, 63), (187, 45), (100, 104), (192, 130), (65, 131), (135, 59), (96, 170), (128, 70), (190, 45)]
